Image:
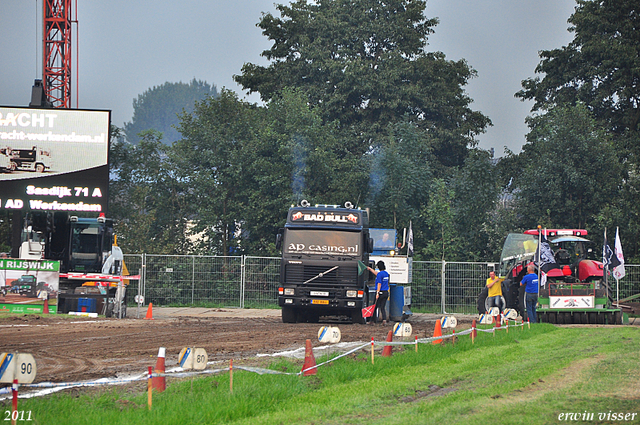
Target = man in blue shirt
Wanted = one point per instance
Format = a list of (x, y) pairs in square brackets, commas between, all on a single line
[(530, 281), (382, 290)]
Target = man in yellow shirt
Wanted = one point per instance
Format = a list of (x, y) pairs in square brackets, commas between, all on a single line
[(494, 297)]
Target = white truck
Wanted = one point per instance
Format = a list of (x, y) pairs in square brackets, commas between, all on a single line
[(34, 159)]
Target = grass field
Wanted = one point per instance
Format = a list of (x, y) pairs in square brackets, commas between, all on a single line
[(527, 376)]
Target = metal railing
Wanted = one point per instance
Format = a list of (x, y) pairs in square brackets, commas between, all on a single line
[(252, 282)]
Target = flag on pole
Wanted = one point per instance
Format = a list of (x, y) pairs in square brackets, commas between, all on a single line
[(410, 243), (609, 259), (544, 256), (361, 267), (618, 271)]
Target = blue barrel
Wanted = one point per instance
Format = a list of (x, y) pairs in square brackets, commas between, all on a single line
[(396, 302)]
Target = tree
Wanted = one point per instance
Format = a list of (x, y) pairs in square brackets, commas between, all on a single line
[(362, 63), (400, 177), (570, 170), (145, 199), (600, 68), (444, 242), (158, 108), (219, 140), (476, 190)]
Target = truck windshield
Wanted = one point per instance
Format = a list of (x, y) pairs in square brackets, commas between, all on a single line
[(517, 248), (322, 242)]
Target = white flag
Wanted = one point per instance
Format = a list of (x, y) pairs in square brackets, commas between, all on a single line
[(618, 271), (543, 279), (410, 243)]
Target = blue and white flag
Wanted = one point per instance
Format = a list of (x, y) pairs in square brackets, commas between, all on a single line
[(545, 255), (609, 259)]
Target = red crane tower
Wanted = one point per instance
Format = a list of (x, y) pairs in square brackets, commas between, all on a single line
[(56, 70)]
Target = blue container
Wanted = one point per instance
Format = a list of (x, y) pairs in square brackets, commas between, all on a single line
[(87, 305), (396, 302)]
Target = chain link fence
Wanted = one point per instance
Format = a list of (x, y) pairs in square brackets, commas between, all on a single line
[(252, 282)]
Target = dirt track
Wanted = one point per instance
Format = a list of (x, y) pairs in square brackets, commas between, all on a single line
[(74, 349)]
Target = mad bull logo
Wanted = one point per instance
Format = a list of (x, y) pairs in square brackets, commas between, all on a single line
[(328, 217)]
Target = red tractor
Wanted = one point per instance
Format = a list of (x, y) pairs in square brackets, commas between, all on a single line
[(573, 289)]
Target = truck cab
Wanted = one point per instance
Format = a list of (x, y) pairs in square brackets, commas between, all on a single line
[(325, 250)]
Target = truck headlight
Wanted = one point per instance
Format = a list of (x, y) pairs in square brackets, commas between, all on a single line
[(351, 304), (352, 294), (288, 301), (289, 291)]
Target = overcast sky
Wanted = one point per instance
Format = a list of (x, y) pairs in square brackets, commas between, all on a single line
[(126, 47)]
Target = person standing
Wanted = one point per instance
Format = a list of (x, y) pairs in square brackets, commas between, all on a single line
[(382, 290), (494, 296), (530, 282)]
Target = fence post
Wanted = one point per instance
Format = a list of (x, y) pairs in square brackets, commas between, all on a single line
[(243, 270), (144, 276), (443, 296), (193, 278)]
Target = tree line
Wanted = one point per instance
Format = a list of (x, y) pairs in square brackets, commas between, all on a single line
[(356, 109)]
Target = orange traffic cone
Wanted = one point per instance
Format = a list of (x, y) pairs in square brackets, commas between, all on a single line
[(149, 315), (386, 351), (437, 332), (45, 308), (159, 383), (309, 366)]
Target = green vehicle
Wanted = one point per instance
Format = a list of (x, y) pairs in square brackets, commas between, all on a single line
[(574, 290), (26, 285)]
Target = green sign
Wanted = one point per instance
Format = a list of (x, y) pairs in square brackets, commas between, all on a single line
[(29, 265), (26, 309)]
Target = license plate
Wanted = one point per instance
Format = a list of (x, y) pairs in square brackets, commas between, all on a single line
[(320, 302), (319, 293)]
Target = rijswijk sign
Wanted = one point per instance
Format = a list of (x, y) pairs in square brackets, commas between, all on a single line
[(29, 286)]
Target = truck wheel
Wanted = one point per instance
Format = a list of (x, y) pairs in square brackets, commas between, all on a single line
[(617, 318), (311, 317), (40, 168), (356, 317), (288, 315), (521, 305), (109, 311), (13, 166), (482, 298)]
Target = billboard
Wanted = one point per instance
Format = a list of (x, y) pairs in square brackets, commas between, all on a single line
[(25, 285), (54, 159)]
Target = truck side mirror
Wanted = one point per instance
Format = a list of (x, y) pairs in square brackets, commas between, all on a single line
[(370, 245), (278, 240)]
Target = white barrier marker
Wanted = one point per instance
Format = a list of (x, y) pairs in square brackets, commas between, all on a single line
[(449, 322), (402, 329), (329, 334)]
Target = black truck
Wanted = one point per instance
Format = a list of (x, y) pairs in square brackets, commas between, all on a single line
[(322, 272)]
